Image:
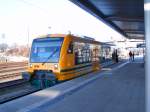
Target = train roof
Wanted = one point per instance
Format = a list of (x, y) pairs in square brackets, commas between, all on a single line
[(76, 38), (52, 35), (86, 40)]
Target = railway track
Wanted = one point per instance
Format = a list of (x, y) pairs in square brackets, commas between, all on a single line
[(10, 88), (10, 75), (11, 71), (11, 83), (12, 65), (15, 89)]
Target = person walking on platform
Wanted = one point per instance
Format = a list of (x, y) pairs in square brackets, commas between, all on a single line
[(133, 56), (113, 56), (130, 56), (116, 56)]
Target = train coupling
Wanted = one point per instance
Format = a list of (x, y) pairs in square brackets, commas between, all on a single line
[(43, 79)]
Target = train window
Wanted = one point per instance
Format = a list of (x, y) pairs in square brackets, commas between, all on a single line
[(82, 53), (106, 54), (86, 53), (70, 48), (46, 50)]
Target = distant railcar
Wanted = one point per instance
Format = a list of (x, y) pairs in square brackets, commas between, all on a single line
[(59, 57)]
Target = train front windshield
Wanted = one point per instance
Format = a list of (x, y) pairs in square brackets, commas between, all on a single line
[(46, 50)]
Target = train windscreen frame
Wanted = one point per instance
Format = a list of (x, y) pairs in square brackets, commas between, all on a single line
[(46, 50)]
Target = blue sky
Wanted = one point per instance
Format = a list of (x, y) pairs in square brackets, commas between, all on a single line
[(37, 17)]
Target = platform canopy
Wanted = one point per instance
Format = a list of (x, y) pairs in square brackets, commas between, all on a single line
[(125, 16)]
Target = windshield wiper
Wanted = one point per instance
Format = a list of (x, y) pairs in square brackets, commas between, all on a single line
[(50, 56)]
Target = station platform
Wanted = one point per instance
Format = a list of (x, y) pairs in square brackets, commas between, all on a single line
[(117, 88)]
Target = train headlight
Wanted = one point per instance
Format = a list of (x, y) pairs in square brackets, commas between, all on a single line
[(56, 66)]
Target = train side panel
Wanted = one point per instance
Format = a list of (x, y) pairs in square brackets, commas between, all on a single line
[(68, 67)]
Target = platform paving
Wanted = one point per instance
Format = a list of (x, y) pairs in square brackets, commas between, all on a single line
[(123, 90), (117, 88)]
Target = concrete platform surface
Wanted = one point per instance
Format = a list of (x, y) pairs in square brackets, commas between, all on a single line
[(120, 89)]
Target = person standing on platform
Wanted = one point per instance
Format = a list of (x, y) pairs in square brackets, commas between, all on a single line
[(113, 56), (133, 56), (116, 56), (130, 56)]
